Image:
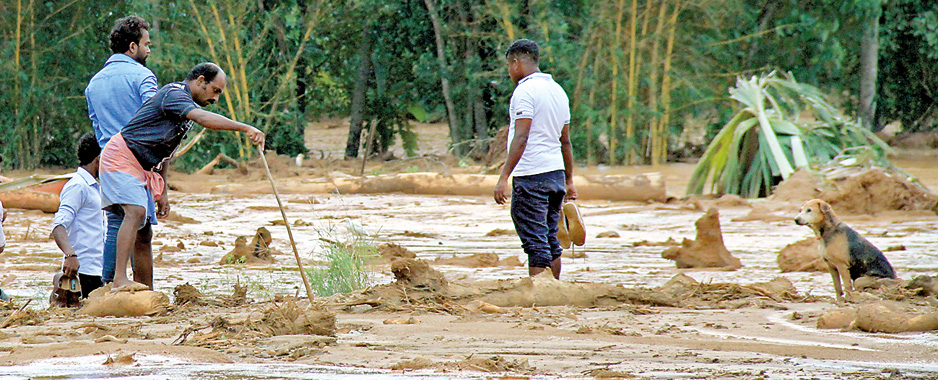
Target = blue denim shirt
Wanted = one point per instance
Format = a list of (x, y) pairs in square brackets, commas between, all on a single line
[(115, 93)]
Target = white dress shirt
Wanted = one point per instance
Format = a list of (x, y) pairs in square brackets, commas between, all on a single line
[(80, 213)]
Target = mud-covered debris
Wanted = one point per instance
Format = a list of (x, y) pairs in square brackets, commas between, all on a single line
[(418, 274), (707, 250), (185, 293), (291, 319)]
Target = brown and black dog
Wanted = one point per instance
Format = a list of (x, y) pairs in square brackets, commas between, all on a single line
[(848, 255)]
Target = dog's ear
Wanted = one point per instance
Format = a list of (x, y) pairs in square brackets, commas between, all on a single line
[(827, 211)]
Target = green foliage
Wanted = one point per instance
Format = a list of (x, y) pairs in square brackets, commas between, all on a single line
[(347, 265), (783, 125), (909, 64)]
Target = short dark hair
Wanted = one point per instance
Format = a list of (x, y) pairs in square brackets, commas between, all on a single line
[(88, 148), (205, 69), (523, 48), (126, 30)]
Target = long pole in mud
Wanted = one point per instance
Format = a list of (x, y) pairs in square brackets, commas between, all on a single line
[(299, 264)]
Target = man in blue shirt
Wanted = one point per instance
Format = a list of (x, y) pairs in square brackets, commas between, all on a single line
[(78, 226), (114, 94)]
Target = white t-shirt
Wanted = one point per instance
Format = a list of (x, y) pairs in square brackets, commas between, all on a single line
[(539, 98), (3, 239)]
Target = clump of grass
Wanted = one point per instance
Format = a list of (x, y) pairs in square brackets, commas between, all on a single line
[(347, 264)]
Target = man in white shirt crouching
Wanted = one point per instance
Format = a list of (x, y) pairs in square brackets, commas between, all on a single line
[(79, 225), (540, 158)]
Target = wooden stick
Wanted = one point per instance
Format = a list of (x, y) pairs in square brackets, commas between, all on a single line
[(299, 264), (9, 319)]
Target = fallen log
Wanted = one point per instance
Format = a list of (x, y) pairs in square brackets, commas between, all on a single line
[(640, 187), (34, 192), (221, 157)]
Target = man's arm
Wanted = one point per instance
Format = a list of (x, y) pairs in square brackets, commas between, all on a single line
[(148, 88), (566, 148), (518, 143), (70, 267), (69, 201), (218, 122), (162, 204)]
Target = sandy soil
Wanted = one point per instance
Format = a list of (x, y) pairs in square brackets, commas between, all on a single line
[(612, 317)]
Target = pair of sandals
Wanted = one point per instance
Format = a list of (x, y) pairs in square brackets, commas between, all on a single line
[(571, 230)]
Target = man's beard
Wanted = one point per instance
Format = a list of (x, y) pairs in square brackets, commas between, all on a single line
[(141, 60)]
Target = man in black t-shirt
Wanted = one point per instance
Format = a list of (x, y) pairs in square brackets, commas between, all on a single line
[(134, 162)]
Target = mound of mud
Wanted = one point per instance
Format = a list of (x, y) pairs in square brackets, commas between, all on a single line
[(393, 251), (186, 293), (478, 260), (418, 274), (852, 191), (727, 295), (291, 319), (545, 290), (874, 191), (707, 250), (801, 256), (802, 185), (103, 303), (258, 252)]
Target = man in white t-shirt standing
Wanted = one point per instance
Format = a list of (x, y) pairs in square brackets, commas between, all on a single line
[(540, 158)]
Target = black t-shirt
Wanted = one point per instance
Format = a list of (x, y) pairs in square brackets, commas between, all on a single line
[(160, 124)]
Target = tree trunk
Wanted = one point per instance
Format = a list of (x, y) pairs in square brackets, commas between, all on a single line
[(768, 12), (358, 97), (454, 134), (869, 64)]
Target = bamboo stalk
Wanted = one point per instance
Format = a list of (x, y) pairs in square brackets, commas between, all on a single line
[(629, 120), (506, 20), (590, 159), (666, 82), (243, 140), (613, 114), (654, 134)]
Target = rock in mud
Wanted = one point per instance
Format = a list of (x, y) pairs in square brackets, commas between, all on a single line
[(418, 274), (924, 285), (102, 303), (837, 319), (895, 317), (707, 250), (258, 251), (801, 256)]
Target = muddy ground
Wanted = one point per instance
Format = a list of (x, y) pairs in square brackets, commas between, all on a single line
[(621, 311)]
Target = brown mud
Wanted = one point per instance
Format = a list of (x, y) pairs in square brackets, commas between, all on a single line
[(441, 301)]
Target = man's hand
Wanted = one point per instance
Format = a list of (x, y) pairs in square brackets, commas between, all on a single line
[(571, 192), (501, 191), (256, 136), (71, 266), (162, 207)]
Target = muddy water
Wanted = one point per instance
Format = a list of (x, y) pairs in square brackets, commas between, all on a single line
[(448, 226), (162, 367)]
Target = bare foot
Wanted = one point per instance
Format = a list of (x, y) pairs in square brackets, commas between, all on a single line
[(130, 286)]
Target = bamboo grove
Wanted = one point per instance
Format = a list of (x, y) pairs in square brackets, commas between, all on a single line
[(641, 74)]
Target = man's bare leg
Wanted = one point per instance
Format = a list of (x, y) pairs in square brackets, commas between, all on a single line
[(143, 257), (126, 237)]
